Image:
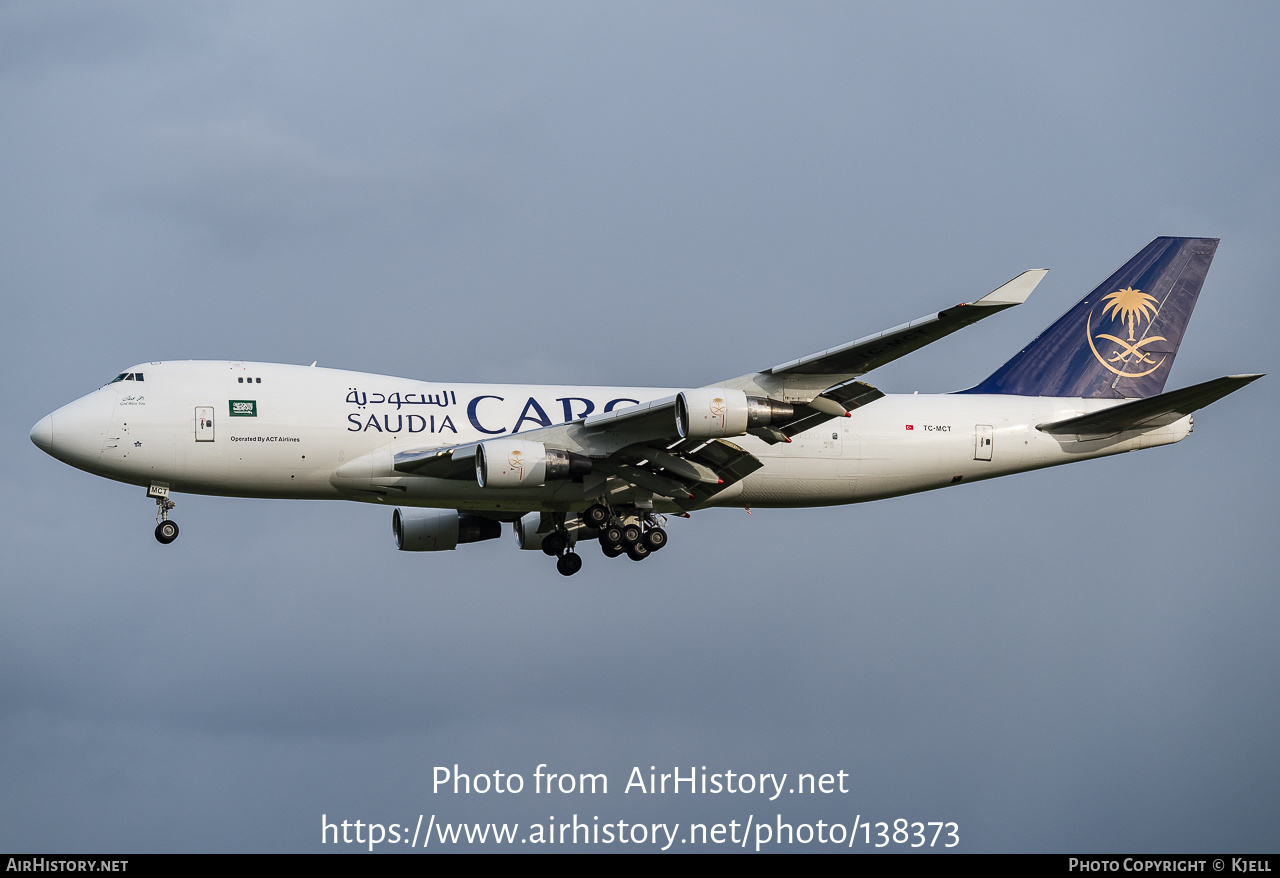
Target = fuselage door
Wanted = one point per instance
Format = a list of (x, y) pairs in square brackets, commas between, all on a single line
[(982, 442), (204, 423)]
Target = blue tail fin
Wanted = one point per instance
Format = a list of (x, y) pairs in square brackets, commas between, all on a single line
[(1120, 340)]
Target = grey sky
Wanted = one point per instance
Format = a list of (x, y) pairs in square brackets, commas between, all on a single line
[(1081, 659)]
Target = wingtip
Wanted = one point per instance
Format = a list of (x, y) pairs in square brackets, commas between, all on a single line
[(1016, 291)]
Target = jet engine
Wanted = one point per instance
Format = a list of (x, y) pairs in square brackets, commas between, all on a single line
[(438, 530), (712, 412), (526, 528), (519, 463)]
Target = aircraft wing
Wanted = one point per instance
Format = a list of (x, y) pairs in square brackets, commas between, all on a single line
[(640, 444), (688, 471), (443, 462), (821, 385), (802, 379)]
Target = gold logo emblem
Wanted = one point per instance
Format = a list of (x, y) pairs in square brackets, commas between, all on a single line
[(516, 461), (718, 407), (1131, 307)]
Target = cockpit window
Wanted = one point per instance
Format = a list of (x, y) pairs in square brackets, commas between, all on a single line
[(137, 376), (126, 376), (119, 377)]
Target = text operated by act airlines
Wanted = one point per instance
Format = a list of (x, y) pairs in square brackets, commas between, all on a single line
[(583, 826)]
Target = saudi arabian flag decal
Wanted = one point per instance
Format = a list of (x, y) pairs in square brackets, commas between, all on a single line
[(244, 408)]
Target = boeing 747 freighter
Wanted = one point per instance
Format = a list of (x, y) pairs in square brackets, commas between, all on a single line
[(565, 465)]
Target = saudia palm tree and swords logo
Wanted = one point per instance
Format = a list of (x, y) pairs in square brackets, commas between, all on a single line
[(1131, 307)]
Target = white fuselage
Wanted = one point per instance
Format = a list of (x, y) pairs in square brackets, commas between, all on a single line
[(270, 430)]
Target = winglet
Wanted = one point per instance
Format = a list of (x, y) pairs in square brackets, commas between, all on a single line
[(1015, 292)]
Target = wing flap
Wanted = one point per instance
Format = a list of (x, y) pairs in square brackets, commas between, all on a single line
[(730, 463), (689, 470), (643, 478)]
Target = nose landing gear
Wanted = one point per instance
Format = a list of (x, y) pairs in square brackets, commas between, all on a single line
[(166, 530)]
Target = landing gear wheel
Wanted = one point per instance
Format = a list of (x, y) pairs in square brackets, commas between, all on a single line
[(166, 530), (655, 538), (611, 550), (555, 544), (631, 533), (637, 551), (611, 535), (595, 516), (569, 564)]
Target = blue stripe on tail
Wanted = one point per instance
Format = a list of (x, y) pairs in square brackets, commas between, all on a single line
[(1119, 341)]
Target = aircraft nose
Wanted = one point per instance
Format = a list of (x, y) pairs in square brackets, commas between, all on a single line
[(42, 434), (77, 437)]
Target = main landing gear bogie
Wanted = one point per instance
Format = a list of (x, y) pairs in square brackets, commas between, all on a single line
[(558, 545), (620, 531), (634, 534)]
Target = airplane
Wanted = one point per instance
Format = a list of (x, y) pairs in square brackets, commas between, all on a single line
[(566, 465)]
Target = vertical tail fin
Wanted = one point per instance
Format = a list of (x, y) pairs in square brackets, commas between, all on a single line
[(1119, 341)]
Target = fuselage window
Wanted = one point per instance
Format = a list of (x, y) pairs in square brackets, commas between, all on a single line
[(240, 381), (259, 380)]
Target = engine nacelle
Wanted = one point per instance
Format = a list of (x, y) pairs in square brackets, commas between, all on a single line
[(713, 412), (520, 463), (526, 528), (438, 530)]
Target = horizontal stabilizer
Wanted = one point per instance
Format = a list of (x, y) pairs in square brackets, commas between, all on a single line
[(1155, 411)]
